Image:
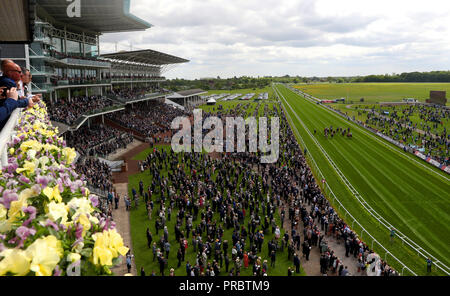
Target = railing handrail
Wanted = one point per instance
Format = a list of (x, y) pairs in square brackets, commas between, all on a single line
[(6, 135)]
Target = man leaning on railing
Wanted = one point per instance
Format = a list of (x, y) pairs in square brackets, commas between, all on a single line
[(9, 92)]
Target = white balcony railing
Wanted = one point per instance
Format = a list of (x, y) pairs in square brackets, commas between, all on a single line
[(6, 135)]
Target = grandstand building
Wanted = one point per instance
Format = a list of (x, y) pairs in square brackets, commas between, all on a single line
[(66, 61)]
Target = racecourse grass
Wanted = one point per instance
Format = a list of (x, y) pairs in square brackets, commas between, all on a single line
[(412, 198), (373, 92)]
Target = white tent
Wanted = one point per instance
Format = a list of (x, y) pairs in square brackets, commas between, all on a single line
[(211, 102)]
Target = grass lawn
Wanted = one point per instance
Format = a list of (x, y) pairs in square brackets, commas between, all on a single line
[(373, 92), (411, 195), (139, 223)]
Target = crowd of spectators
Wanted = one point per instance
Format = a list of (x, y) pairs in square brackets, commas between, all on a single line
[(247, 196), (134, 93), (96, 173), (98, 140), (148, 119), (429, 134), (68, 112)]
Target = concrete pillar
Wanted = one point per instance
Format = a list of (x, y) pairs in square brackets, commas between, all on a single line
[(70, 95), (87, 92), (89, 122), (103, 119), (56, 95)]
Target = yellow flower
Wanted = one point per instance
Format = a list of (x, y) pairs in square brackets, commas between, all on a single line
[(15, 261), (84, 221), (81, 206), (50, 147), (53, 193), (3, 212), (4, 225), (116, 242), (28, 167), (107, 246), (15, 209), (69, 154), (73, 257), (102, 256), (45, 254), (43, 161), (56, 211), (31, 144), (31, 153), (11, 151)]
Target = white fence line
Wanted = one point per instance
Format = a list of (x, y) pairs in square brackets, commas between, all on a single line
[(6, 135), (405, 239), (341, 206)]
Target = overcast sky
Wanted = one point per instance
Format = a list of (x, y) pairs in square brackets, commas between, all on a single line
[(295, 37)]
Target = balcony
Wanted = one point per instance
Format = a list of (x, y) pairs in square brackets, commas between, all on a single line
[(42, 71), (70, 82), (85, 63), (142, 79)]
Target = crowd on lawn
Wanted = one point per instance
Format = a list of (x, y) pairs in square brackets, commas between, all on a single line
[(237, 192), (68, 112), (400, 126)]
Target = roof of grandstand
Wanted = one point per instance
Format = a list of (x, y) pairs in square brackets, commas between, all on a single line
[(101, 16), (187, 93), (14, 21), (147, 56)]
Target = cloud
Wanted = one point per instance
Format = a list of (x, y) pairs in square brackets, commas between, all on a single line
[(295, 37)]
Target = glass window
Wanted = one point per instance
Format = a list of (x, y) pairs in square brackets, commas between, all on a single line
[(57, 43), (73, 48)]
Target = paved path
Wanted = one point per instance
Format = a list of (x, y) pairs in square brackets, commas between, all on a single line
[(312, 267), (122, 219), (121, 216)]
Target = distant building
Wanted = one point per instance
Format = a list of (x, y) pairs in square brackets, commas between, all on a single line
[(410, 100), (437, 98)]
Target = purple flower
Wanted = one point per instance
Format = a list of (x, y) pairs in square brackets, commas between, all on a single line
[(24, 179), (36, 188), (94, 200), (8, 197), (42, 180), (32, 211), (12, 183), (78, 241), (57, 271), (52, 224), (12, 167), (1, 189), (79, 231), (24, 232)]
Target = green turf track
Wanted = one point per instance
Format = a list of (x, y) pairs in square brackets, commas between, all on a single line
[(411, 195)]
